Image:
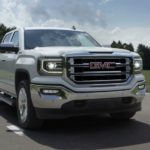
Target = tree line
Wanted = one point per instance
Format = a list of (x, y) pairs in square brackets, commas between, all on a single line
[(143, 50), (121, 45)]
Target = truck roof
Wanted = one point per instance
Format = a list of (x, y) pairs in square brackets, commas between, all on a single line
[(49, 28), (44, 28)]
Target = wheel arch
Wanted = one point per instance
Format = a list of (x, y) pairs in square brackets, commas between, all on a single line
[(20, 75)]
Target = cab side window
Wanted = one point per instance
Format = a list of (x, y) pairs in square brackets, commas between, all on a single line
[(7, 38), (15, 39)]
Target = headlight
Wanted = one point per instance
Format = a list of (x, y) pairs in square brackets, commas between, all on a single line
[(138, 65), (52, 66)]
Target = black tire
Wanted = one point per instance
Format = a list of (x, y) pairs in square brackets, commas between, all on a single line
[(31, 121), (122, 115)]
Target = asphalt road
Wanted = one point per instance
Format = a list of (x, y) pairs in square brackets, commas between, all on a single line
[(77, 133)]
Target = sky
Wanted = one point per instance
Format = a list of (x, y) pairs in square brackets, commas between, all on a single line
[(106, 20)]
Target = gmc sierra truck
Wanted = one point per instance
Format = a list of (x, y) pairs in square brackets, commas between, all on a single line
[(58, 73)]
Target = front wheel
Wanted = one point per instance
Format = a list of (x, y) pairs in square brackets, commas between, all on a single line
[(25, 110), (122, 115)]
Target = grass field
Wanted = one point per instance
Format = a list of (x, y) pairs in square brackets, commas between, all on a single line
[(147, 76)]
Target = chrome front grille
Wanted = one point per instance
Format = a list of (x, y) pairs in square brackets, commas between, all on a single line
[(98, 70)]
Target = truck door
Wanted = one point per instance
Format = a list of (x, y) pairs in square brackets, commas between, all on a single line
[(8, 66)]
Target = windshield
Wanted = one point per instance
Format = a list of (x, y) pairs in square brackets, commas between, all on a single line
[(46, 38)]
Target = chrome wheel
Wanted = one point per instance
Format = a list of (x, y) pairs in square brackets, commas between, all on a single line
[(22, 104)]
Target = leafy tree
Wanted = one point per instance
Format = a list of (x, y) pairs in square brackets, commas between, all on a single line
[(117, 44), (144, 52), (114, 44), (125, 46), (129, 47), (4, 30)]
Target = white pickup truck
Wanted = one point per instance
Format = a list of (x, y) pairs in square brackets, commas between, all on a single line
[(57, 73)]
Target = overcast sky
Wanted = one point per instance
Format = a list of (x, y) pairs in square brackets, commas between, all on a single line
[(106, 20)]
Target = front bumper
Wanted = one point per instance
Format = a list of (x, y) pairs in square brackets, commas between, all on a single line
[(68, 102)]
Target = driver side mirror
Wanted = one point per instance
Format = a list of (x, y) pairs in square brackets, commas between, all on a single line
[(9, 48)]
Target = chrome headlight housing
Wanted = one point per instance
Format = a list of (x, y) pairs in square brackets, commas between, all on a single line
[(137, 65), (51, 66)]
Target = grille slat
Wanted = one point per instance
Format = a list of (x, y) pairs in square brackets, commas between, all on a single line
[(80, 70), (92, 75)]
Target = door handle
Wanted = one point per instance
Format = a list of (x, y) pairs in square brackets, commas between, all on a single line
[(3, 60)]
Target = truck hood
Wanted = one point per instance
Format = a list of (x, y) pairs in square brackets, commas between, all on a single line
[(60, 51)]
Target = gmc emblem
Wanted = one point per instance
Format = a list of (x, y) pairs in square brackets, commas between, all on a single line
[(102, 65)]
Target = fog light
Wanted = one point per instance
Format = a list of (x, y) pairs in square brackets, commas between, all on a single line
[(141, 86), (49, 91)]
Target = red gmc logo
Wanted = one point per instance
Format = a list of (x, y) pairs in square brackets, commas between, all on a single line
[(102, 65)]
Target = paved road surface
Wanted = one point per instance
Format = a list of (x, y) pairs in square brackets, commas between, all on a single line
[(78, 133)]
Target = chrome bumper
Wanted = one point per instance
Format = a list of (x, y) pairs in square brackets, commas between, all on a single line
[(65, 95)]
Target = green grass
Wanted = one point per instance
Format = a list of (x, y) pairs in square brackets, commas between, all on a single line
[(147, 76)]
